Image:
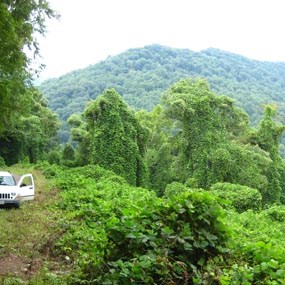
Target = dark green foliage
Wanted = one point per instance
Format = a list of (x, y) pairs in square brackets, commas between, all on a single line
[(68, 152), (142, 75), (242, 198), (268, 137), (158, 154), (27, 126), (2, 162), (32, 134), (20, 23), (53, 157), (68, 155)]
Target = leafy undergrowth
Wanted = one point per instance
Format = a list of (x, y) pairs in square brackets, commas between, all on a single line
[(97, 229), (27, 236), (119, 234)]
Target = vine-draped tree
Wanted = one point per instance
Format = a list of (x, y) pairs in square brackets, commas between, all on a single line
[(117, 140), (158, 148), (209, 141), (268, 137)]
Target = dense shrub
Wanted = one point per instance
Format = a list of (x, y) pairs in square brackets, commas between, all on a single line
[(276, 213), (175, 188), (242, 197), (114, 233), (260, 264), (165, 241), (120, 234)]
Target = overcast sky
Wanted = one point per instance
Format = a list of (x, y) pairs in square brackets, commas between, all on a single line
[(91, 30)]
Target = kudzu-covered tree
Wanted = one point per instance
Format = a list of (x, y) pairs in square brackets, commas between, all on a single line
[(267, 137), (158, 154), (210, 136), (116, 139)]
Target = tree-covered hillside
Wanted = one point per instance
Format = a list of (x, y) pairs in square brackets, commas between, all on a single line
[(141, 75)]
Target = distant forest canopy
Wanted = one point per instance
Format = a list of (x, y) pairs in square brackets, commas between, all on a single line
[(142, 75)]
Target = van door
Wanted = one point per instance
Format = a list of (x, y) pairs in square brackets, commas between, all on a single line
[(26, 187)]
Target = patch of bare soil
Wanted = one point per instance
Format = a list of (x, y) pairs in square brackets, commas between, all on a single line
[(13, 265)]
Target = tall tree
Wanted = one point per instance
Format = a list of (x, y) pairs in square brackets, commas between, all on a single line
[(158, 147), (27, 126), (20, 23), (209, 138), (268, 137), (117, 140)]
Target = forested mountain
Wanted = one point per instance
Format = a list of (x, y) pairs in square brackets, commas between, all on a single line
[(141, 75)]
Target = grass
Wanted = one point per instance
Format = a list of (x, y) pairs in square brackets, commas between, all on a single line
[(28, 234)]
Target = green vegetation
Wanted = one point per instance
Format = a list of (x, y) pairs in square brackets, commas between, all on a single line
[(27, 126), (100, 230), (213, 191), (186, 191), (28, 235), (141, 76)]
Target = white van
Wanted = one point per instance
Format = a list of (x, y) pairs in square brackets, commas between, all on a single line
[(13, 191)]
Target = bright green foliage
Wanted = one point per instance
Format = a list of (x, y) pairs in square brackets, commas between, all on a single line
[(276, 213), (119, 234), (117, 141), (141, 75), (158, 155), (175, 188), (207, 137), (258, 246), (161, 245), (242, 198), (194, 106), (114, 233)]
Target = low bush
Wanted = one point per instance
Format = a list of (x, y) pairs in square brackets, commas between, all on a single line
[(242, 198), (175, 188), (276, 213)]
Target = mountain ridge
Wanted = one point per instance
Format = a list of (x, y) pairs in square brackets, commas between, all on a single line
[(141, 75)]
